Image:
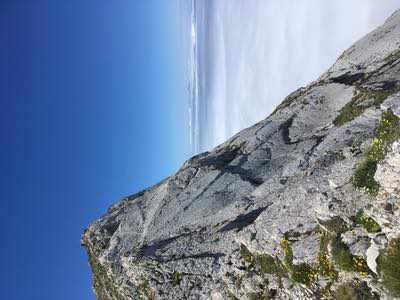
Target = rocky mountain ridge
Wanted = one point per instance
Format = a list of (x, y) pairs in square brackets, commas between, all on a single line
[(303, 205)]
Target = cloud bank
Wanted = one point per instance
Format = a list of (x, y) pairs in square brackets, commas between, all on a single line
[(247, 55)]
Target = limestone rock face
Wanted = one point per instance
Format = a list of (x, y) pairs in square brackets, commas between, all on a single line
[(286, 209), (387, 205)]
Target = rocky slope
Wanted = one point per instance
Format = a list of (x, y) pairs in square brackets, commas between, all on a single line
[(303, 205)]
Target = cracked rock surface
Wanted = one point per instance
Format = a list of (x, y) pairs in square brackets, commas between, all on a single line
[(272, 213)]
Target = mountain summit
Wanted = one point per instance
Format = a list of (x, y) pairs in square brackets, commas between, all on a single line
[(303, 205)]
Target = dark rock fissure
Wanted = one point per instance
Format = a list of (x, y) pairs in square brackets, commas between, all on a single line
[(216, 256), (221, 159), (244, 220), (305, 163), (348, 78), (285, 130), (151, 249), (244, 174)]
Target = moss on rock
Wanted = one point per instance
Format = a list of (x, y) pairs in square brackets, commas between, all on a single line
[(303, 273), (387, 133), (361, 101), (176, 278), (249, 259), (325, 265), (102, 282), (270, 265), (389, 267), (354, 291), (345, 259), (261, 263), (367, 222), (146, 291), (364, 176), (393, 56), (335, 225)]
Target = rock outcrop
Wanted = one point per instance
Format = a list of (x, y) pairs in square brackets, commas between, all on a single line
[(303, 205)]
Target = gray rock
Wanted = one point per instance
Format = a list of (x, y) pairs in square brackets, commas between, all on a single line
[(357, 240), (244, 220)]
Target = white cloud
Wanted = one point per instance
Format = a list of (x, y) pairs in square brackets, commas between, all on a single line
[(258, 51)]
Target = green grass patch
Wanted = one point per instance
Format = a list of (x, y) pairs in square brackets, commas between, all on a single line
[(346, 292), (335, 225), (367, 222), (303, 273), (287, 250), (348, 113), (176, 278), (270, 265), (354, 291), (249, 259), (360, 102), (393, 56), (266, 264), (262, 263), (146, 291), (325, 266), (345, 259), (364, 176), (387, 132), (103, 284), (389, 267)]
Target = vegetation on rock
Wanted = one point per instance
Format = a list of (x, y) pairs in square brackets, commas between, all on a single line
[(354, 291), (362, 100), (303, 273), (287, 250), (367, 222), (270, 265), (387, 133), (264, 263), (146, 291), (335, 225), (325, 265), (389, 267), (176, 278), (393, 56), (345, 259), (102, 283)]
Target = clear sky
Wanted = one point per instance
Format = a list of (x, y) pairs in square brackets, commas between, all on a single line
[(91, 111)]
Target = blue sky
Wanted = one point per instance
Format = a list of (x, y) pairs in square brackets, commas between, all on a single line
[(91, 110)]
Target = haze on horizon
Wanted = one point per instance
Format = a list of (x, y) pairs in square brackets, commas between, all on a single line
[(245, 56)]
